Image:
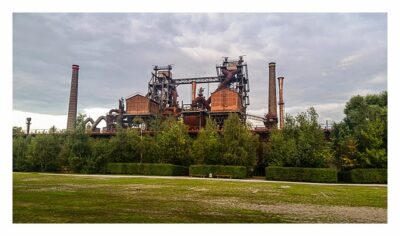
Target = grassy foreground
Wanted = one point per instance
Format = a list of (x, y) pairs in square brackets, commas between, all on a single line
[(43, 198)]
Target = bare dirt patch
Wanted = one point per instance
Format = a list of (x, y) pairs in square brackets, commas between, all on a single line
[(308, 213)]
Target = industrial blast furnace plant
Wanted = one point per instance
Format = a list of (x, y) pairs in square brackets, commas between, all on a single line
[(161, 100)]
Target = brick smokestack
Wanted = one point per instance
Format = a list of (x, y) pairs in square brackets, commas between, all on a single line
[(281, 103), (272, 116), (73, 99)]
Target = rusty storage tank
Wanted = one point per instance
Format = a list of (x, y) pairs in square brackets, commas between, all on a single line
[(195, 120), (141, 105), (226, 100)]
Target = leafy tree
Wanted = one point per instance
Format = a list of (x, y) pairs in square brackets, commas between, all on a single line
[(76, 148), (207, 146), (100, 156), (174, 143), (238, 143), (360, 140), (282, 151), (43, 153), (125, 146), (20, 153), (155, 124), (150, 149), (17, 131), (53, 130), (301, 143)]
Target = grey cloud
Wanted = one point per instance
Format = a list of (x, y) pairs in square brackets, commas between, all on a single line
[(325, 58)]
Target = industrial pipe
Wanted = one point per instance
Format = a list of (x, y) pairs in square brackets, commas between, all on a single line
[(73, 99), (174, 98), (281, 103), (228, 78), (98, 121), (193, 90)]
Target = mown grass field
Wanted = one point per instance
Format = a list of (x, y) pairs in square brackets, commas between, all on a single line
[(44, 198)]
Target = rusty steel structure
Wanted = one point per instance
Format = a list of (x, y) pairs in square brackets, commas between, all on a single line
[(73, 99), (161, 100), (281, 103), (231, 95)]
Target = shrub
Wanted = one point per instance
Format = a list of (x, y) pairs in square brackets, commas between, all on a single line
[(364, 176), (324, 175), (147, 169), (237, 172)]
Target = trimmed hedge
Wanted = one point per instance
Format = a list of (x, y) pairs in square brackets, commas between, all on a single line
[(146, 169), (323, 175), (237, 172), (364, 176)]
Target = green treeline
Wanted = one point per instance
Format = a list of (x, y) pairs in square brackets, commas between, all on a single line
[(359, 141)]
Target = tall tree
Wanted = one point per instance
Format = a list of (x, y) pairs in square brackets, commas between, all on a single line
[(125, 146), (301, 143), (207, 146), (360, 140), (174, 143), (238, 143)]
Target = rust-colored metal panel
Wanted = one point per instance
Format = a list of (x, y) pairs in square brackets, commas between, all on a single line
[(225, 100), (139, 104), (194, 121)]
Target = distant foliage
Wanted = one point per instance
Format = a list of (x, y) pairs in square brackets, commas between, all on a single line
[(17, 131)]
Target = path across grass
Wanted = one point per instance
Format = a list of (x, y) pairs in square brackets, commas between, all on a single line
[(48, 198)]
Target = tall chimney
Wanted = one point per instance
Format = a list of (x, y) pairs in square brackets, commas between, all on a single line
[(28, 125), (73, 99), (193, 90), (281, 103), (271, 117)]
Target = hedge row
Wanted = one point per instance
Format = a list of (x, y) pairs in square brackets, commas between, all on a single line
[(146, 169), (364, 176), (236, 172), (323, 175)]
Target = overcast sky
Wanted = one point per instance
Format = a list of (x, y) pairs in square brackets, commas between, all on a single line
[(325, 58)]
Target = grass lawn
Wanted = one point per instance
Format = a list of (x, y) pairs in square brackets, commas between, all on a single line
[(43, 198)]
